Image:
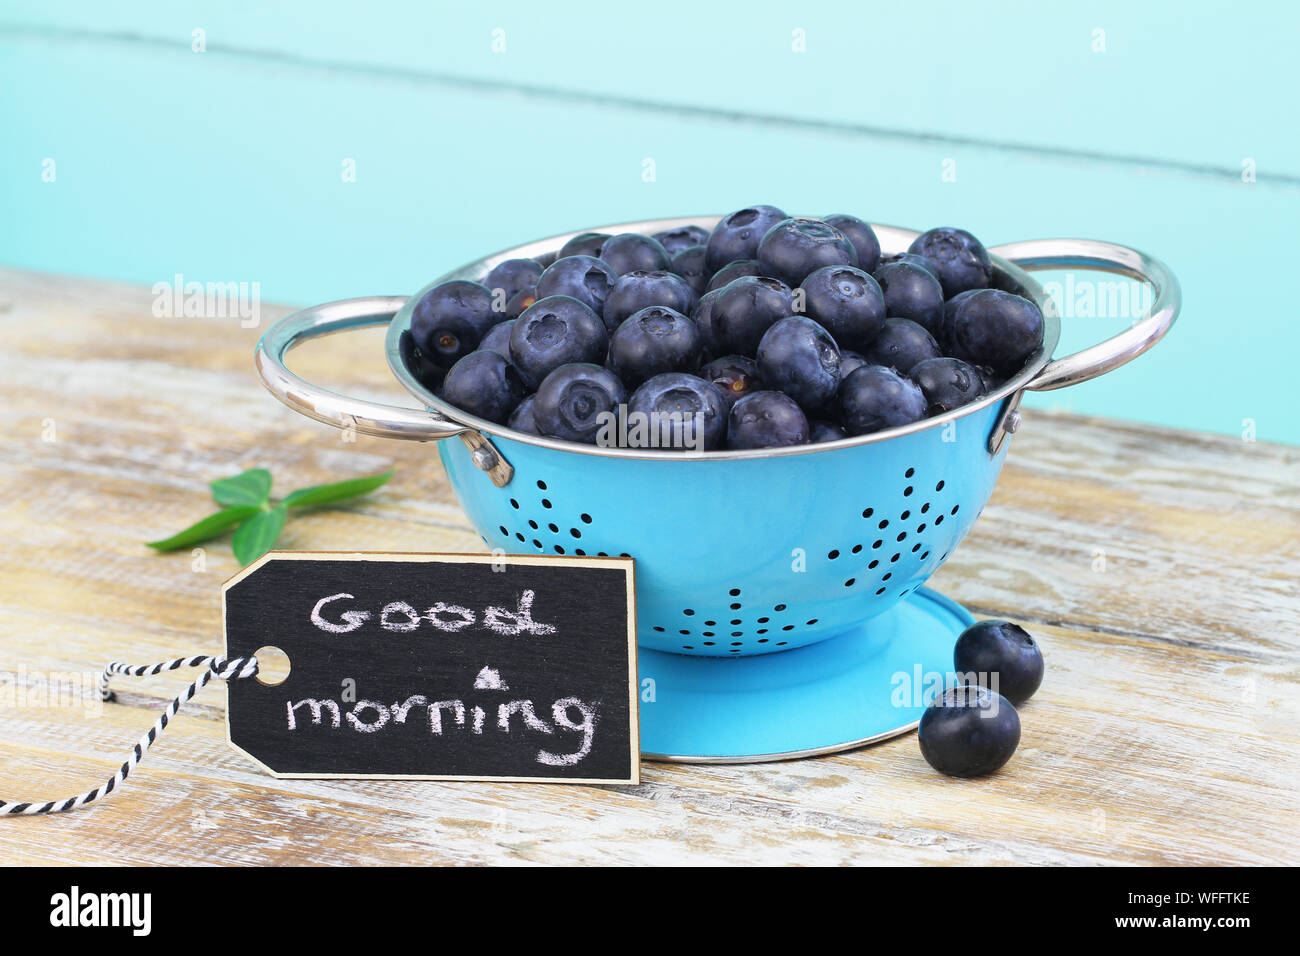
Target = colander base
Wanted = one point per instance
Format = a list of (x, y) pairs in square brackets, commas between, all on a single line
[(854, 689)]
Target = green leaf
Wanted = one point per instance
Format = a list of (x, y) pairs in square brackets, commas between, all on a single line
[(209, 527), (257, 535), (338, 491), (252, 487)]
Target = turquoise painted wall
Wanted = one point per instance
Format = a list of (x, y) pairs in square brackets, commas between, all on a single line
[(226, 165)]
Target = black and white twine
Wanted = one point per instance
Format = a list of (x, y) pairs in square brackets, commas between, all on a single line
[(227, 669)]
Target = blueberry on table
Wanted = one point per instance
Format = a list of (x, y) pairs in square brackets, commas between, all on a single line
[(911, 292), (766, 420), (969, 731), (736, 375), (850, 362), (863, 237), (689, 264), (901, 345), (845, 301), (800, 358), (993, 328), (639, 290), (513, 276), (874, 398), (825, 431), (629, 251), (948, 383), (584, 244), (746, 308), (554, 331), (498, 338), (524, 418), (737, 236), (1002, 648), (575, 401), (654, 340), (793, 248), (679, 411), (450, 319), (734, 270), (484, 384), (584, 278), (962, 261), (675, 240)]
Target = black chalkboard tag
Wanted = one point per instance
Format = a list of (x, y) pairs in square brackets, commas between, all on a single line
[(441, 666)]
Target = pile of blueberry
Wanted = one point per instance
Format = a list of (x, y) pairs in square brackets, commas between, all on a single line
[(972, 729), (768, 331)]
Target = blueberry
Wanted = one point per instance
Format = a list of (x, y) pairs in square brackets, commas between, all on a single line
[(584, 244), (545, 259), (555, 331), (498, 338), (484, 384), (863, 237), (800, 358), (993, 328), (586, 279), (449, 320), (639, 290), (948, 383), (850, 362), (702, 316), (680, 411), (574, 402), (654, 340), (520, 301), (766, 420), (1004, 649), (736, 375), (524, 418), (825, 431), (630, 251), (793, 248), (675, 240), (737, 236), (427, 373), (969, 731), (962, 260), (900, 345), (916, 260), (513, 276), (845, 301), (689, 264), (911, 292), (734, 270), (873, 398), (746, 308)]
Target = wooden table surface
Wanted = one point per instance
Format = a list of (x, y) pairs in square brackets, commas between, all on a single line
[(1158, 568)]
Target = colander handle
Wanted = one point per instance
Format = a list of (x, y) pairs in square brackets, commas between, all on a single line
[(1105, 257), (370, 418)]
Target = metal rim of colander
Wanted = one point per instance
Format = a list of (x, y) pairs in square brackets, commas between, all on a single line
[(893, 239)]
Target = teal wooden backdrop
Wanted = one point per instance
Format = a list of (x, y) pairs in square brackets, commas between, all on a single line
[(471, 127)]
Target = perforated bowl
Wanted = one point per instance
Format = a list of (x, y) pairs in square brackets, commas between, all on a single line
[(738, 552)]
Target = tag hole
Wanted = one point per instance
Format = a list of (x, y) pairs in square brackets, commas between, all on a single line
[(272, 666)]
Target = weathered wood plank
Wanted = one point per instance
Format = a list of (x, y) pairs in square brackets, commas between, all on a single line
[(1165, 732)]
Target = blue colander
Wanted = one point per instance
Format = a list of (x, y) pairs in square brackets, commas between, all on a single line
[(743, 554)]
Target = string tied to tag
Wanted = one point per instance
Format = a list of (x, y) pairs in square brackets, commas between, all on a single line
[(220, 668)]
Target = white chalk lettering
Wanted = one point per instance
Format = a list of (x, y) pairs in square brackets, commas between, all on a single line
[(516, 622), (405, 610), (352, 619), (435, 714), (316, 706), (525, 709), (587, 726), (464, 617)]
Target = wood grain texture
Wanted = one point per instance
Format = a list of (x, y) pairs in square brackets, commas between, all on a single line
[(1157, 567)]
